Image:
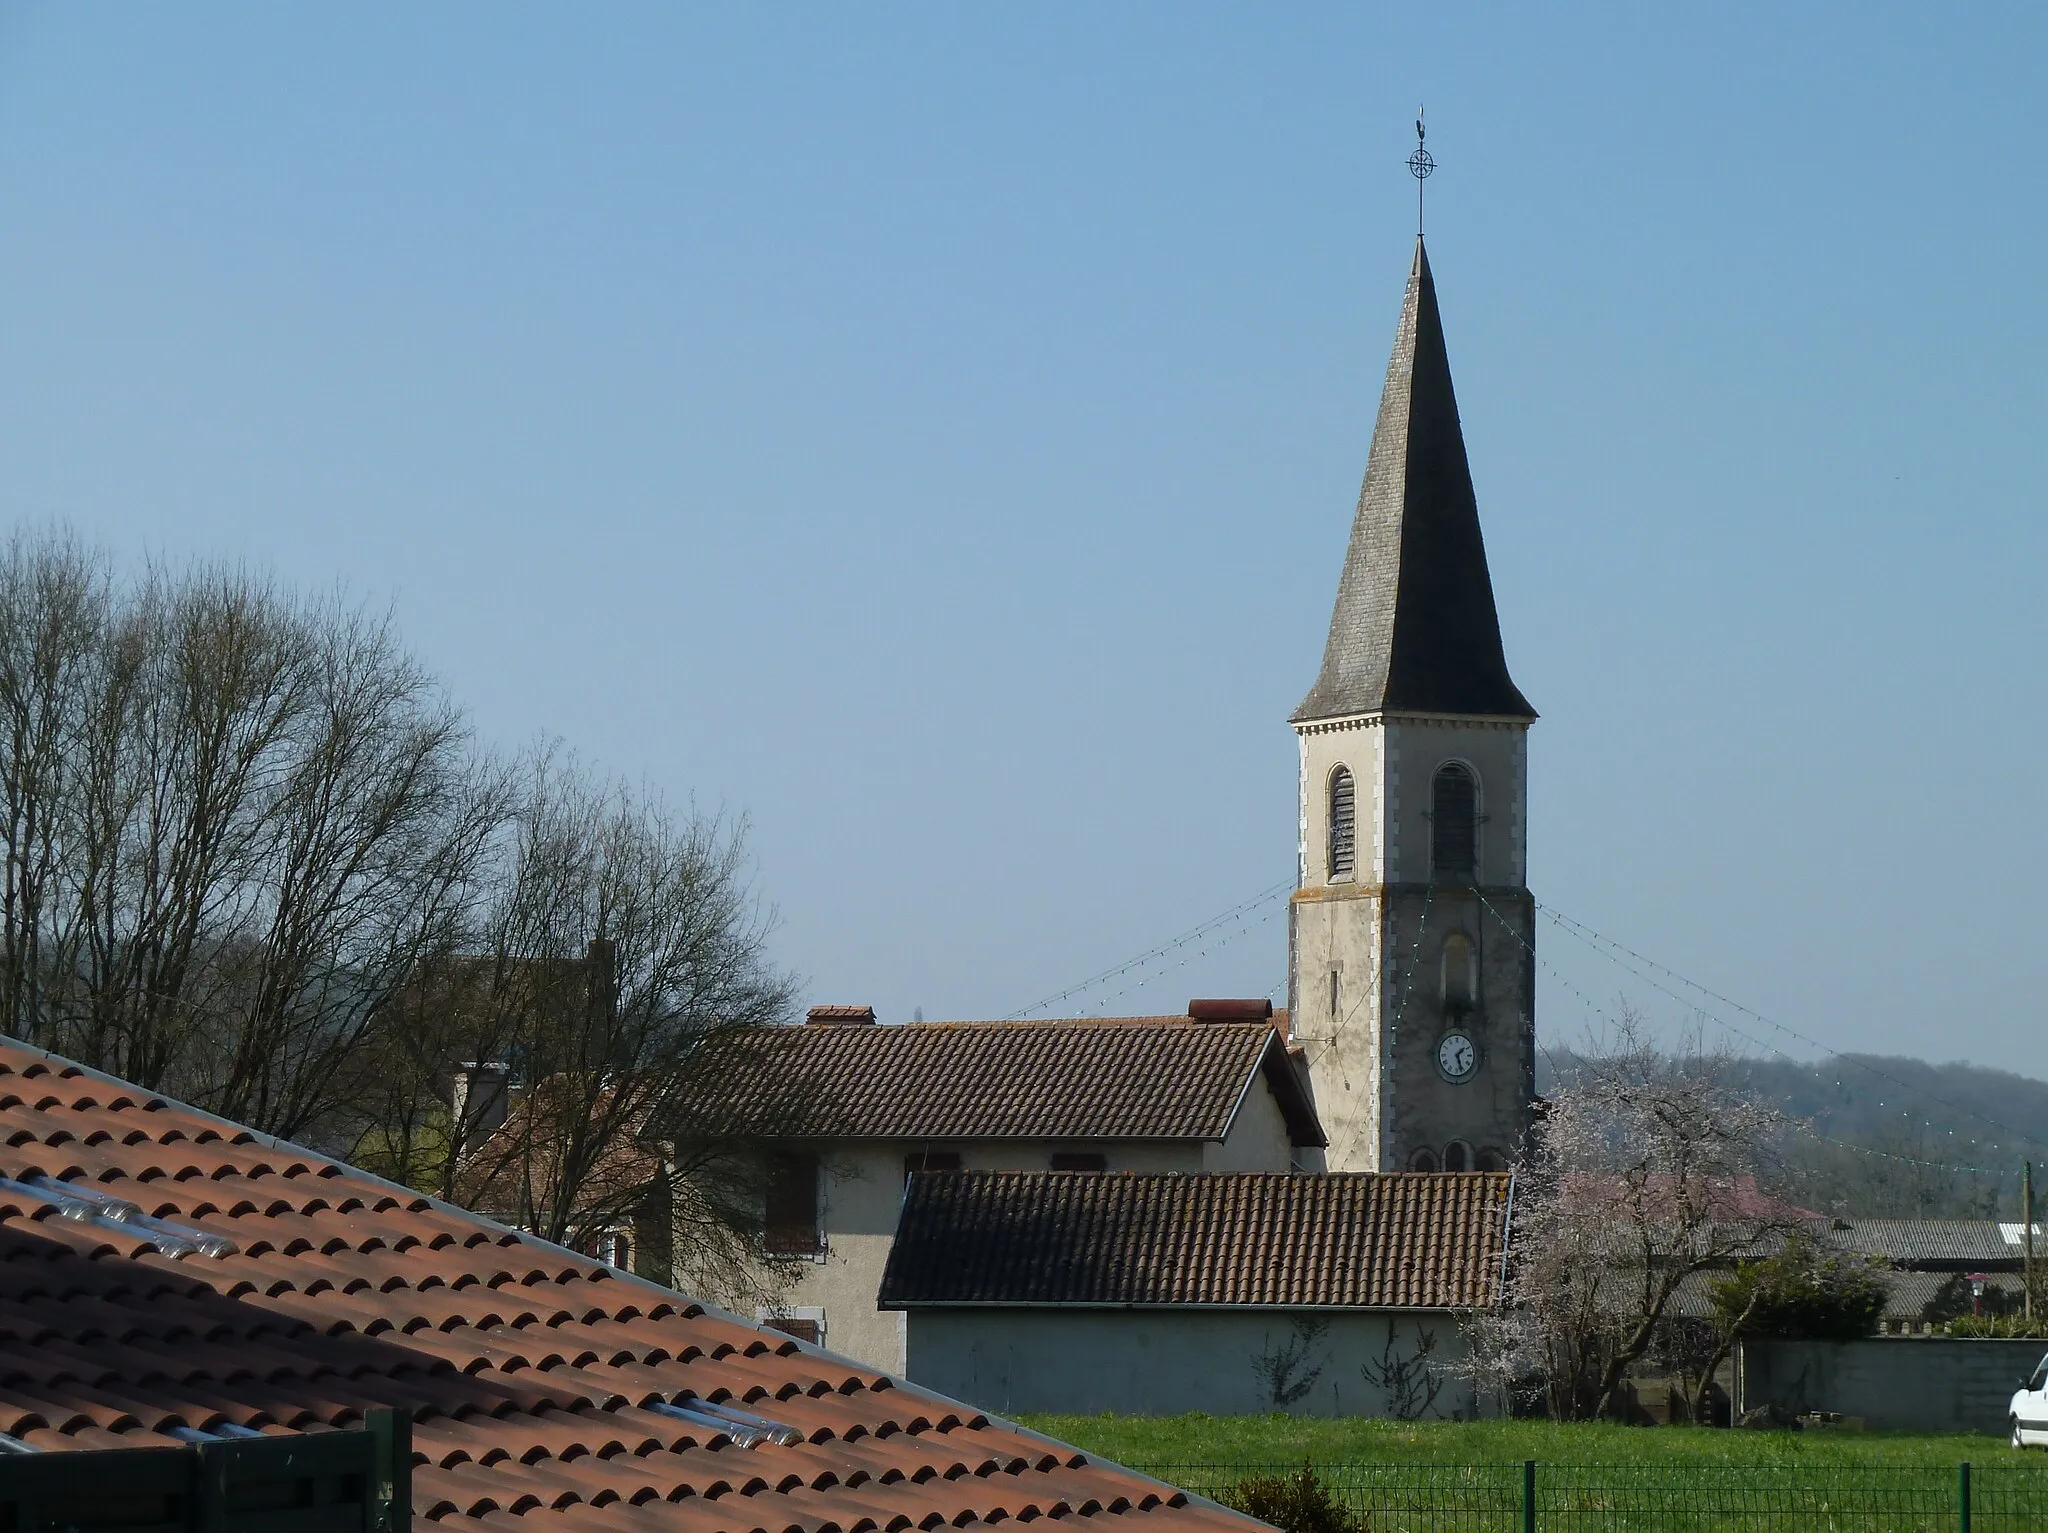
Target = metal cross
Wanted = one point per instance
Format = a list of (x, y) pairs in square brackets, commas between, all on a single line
[(1421, 167)]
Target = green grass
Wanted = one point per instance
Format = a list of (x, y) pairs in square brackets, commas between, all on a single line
[(1467, 1477), (1277, 1439)]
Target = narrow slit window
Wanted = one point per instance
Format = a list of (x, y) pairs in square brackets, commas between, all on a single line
[(1343, 825), (1454, 822), (1460, 974)]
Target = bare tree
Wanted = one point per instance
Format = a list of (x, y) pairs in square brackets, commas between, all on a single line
[(1645, 1171), (624, 937), (251, 855), (55, 606), (237, 821)]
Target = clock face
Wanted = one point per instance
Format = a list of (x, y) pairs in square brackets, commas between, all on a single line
[(1456, 1056)]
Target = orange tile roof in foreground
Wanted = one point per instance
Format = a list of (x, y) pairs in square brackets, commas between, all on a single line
[(545, 1385)]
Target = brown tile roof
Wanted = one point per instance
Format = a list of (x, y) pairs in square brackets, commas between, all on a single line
[(1344, 1240), (1105, 1078), (543, 1384)]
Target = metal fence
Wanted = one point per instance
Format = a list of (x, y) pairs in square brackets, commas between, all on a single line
[(326, 1482), (1669, 1498)]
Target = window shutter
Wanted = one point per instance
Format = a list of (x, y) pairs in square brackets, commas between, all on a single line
[(791, 1228)]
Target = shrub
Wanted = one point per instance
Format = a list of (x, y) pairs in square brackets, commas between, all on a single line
[(1803, 1290), (1997, 1325), (1295, 1503)]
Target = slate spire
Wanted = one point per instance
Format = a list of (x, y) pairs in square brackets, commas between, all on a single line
[(1414, 629)]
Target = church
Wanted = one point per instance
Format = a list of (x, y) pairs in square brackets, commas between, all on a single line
[(1411, 937), (1293, 1205)]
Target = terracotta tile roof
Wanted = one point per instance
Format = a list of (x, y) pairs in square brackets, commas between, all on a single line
[(1105, 1078), (1348, 1240), (543, 1383)]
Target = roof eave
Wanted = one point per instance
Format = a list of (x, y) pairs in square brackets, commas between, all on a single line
[(1166, 1306)]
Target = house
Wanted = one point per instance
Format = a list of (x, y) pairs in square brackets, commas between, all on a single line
[(1332, 1294), (846, 1109), (167, 1276), (526, 1163)]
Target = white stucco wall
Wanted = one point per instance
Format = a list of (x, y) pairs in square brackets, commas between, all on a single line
[(1257, 1140), (1159, 1362)]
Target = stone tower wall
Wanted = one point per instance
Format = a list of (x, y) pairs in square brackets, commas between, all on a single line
[(1371, 1039)]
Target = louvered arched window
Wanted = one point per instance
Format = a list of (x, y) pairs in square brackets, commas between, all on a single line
[(1343, 825), (1454, 822)]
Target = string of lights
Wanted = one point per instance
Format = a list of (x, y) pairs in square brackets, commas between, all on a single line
[(1393, 1023), (1607, 947), (1236, 912), (1245, 924), (1804, 1128)]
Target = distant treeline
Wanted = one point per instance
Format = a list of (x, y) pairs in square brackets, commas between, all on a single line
[(1895, 1137)]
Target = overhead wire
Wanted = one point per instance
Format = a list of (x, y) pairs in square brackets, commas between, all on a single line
[(1245, 923), (1394, 1022), (1236, 912), (1601, 944), (1801, 1127)]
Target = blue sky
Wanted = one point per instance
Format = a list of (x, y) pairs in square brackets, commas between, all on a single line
[(934, 431)]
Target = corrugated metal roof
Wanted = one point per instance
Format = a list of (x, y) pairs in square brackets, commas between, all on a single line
[(1944, 1243)]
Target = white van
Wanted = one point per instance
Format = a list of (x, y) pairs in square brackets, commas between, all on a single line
[(2030, 1410)]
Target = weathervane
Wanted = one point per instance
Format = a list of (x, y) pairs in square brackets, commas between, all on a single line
[(1420, 166)]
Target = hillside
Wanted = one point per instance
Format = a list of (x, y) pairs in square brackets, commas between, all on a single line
[(1877, 1121)]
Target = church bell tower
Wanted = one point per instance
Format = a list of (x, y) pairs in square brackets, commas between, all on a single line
[(1411, 936)]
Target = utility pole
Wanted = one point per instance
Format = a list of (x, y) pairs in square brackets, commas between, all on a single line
[(2027, 1236)]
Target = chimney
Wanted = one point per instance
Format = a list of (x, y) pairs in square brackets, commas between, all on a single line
[(840, 1016), (601, 978), (481, 1097), (1260, 1010)]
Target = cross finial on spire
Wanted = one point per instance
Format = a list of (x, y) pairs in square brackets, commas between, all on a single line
[(1420, 165)]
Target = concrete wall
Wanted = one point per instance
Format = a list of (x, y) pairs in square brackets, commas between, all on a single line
[(861, 1194), (1161, 1362), (1905, 1383), (1372, 1038)]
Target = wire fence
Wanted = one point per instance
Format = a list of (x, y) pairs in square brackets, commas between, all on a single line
[(1669, 1498)]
